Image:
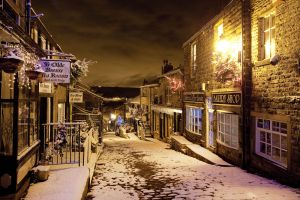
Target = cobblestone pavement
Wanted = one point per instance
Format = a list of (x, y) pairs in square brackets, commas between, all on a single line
[(135, 169)]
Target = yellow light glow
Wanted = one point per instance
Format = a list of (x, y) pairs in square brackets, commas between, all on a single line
[(222, 46), (113, 116)]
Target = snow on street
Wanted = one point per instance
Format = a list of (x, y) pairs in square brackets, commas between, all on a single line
[(134, 169)]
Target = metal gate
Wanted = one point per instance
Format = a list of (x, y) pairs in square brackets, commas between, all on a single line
[(63, 143)]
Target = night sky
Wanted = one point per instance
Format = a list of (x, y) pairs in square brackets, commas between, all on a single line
[(129, 39)]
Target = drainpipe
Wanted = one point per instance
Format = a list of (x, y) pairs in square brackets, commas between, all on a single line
[(28, 16), (246, 82)]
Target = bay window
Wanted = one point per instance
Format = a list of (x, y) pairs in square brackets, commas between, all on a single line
[(194, 119), (228, 129)]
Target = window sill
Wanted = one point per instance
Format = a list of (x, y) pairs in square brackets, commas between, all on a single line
[(262, 62), (226, 145), (27, 150), (193, 132), (280, 165)]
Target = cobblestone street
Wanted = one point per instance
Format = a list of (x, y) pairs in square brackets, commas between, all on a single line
[(135, 169)]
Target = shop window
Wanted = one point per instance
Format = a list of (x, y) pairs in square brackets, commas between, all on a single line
[(194, 119), (267, 36), (61, 112), (228, 129), (193, 59), (33, 122), (6, 129), (23, 140), (271, 140)]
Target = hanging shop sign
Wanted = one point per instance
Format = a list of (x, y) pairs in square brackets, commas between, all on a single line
[(194, 97), (76, 97), (45, 88), (56, 71), (227, 98)]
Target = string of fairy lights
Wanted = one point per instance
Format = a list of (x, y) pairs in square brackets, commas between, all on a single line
[(29, 61)]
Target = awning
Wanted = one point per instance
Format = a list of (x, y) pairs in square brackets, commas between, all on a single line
[(167, 110)]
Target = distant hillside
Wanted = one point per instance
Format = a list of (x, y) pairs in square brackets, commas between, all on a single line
[(121, 92)]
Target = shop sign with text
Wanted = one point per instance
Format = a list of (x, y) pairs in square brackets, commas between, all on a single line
[(194, 97), (56, 71), (75, 97), (45, 88), (227, 98)]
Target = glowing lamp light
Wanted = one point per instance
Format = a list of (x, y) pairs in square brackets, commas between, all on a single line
[(113, 116), (222, 46)]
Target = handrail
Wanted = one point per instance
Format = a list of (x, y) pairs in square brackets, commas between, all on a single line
[(65, 123)]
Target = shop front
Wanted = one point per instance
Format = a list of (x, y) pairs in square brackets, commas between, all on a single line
[(167, 121), (194, 112), (19, 142), (227, 114)]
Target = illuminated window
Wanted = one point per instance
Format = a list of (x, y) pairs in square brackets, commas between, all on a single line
[(194, 119), (228, 129), (193, 59), (220, 31), (271, 140), (268, 36)]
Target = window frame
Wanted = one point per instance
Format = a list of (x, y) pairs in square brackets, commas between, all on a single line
[(193, 59), (270, 144), (268, 50), (194, 119), (222, 125)]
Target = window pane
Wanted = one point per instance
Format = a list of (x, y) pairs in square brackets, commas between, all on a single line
[(284, 157), (283, 142), (267, 23), (269, 150), (260, 123), (272, 20), (267, 124), (268, 138), (276, 154), (33, 122), (262, 148), (275, 126), (227, 139), (276, 140), (6, 129), (23, 126), (262, 136)]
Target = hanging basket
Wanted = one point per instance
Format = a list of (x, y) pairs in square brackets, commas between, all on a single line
[(10, 65), (34, 75)]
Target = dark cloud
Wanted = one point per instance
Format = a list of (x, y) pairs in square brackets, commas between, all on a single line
[(129, 39)]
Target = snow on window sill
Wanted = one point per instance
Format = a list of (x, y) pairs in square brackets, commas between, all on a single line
[(270, 160)]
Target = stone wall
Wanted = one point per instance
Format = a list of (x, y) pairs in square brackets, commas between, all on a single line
[(276, 88), (205, 40)]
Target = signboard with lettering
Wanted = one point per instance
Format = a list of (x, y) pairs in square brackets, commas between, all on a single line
[(76, 97), (56, 71), (234, 98), (45, 88), (194, 97)]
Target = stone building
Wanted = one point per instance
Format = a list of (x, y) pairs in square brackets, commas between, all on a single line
[(241, 100), (275, 101), (166, 112), (24, 103), (212, 98)]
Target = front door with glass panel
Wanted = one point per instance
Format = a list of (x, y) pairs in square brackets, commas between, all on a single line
[(210, 123), (211, 141)]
